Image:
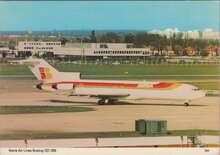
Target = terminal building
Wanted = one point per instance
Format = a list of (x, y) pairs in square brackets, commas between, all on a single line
[(86, 52), (37, 48)]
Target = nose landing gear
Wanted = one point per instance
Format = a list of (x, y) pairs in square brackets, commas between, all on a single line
[(186, 103)]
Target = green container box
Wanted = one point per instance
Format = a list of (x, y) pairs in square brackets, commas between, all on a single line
[(151, 127), (140, 126), (156, 127)]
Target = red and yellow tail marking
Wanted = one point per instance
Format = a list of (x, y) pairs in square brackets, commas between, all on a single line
[(45, 73)]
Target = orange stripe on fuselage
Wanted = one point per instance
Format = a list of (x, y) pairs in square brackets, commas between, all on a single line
[(99, 84), (161, 85)]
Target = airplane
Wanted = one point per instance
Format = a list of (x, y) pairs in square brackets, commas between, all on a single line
[(108, 91)]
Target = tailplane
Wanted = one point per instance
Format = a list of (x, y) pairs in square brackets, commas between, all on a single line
[(41, 69), (46, 73)]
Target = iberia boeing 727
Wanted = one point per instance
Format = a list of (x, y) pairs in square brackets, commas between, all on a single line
[(107, 90)]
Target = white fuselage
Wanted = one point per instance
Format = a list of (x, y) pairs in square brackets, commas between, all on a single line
[(143, 90), (53, 80)]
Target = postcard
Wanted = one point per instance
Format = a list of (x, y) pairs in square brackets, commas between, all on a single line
[(109, 77)]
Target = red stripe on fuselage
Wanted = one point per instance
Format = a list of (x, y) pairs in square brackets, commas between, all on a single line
[(162, 85), (104, 84)]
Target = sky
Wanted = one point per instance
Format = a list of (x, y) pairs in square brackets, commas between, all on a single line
[(108, 15)]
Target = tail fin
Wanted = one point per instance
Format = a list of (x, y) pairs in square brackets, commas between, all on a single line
[(41, 69)]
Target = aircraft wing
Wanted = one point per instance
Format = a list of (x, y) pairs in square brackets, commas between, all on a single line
[(107, 96), (103, 96)]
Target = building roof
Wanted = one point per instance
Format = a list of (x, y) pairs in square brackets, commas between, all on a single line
[(167, 48), (211, 48)]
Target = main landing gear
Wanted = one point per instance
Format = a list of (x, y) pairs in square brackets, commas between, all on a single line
[(110, 101), (101, 102)]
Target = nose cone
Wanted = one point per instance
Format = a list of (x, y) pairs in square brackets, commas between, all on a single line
[(201, 94), (197, 95)]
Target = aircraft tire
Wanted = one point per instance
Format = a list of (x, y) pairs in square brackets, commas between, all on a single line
[(186, 104), (111, 101), (101, 102)]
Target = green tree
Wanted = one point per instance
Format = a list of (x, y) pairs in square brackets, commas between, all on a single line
[(177, 43), (63, 40), (12, 44), (110, 38), (129, 38), (93, 37), (145, 39), (140, 40), (12, 47)]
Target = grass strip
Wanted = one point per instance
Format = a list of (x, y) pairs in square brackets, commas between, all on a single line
[(68, 135), (41, 109), (120, 69)]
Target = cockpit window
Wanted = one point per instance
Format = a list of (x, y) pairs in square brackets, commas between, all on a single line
[(195, 89)]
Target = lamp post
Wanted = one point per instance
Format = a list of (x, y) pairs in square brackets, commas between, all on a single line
[(25, 142), (181, 141), (97, 142)]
